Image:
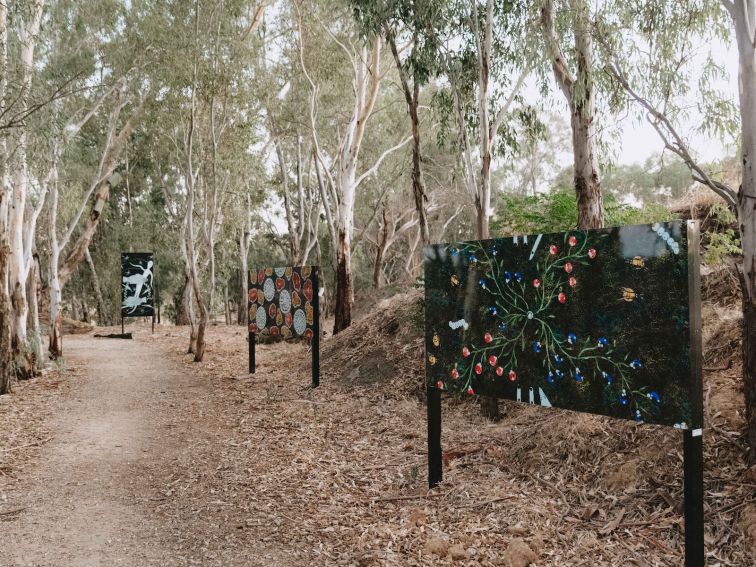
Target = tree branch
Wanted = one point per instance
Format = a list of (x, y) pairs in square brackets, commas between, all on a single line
[(377, 164), (564, 77), (673, 141)]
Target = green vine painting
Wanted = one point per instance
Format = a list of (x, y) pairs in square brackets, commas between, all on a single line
[(594, 321)]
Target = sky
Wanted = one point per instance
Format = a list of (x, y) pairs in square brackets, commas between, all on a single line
[(639, 141)]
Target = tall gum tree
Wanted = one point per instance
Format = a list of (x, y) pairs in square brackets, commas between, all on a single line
[(340, 175), (578, 88), (655, 82), (486, 65), (413, 31), (20, 264), (6, 351)]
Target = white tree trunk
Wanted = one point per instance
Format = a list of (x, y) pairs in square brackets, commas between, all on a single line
[(5, 189), (246, 233), (55, 341), (18, 265), (745, 20), (6, 352)]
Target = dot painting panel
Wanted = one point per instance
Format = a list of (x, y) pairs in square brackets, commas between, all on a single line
[(595, 321), (281, 301), (137, 284)]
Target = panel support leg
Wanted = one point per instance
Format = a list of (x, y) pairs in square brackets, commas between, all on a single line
[(435, 457), (694, 498)]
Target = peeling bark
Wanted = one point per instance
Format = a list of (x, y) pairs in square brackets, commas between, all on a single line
[(579, 91), (344, 289), (6, 352)]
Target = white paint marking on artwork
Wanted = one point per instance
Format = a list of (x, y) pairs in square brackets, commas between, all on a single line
[(141, 281), (269, 289), (300, 322), (519, 395), (457, 324), (544, 400), (535, 247), (697, 433), (531, 396)]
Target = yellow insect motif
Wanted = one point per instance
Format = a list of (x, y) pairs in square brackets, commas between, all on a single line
[(455, 280), (436, 340), (638, 262), (431, 359), (628, 294)]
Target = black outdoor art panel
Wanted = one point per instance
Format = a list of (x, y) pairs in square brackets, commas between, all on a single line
[(137, 284), (282, 301), (595, 321)]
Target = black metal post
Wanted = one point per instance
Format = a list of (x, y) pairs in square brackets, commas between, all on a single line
[(251, 335), (435, 457), (694, 497), (693, 438), (157, 298), (251, 353), (315, 328)]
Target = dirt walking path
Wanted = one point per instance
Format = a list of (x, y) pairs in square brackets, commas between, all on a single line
[(137, 456), (91, 498)]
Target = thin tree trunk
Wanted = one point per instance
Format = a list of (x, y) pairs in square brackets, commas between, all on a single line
[(183, 307), (380, 252), (412, 98), (55, 341), (244, 264), (6, 352), (489, 406), (226, 306), (582, 102), (198, 331), (580, 94), (590, 201), (746, 209), (344, 290), (32, 293), (241, 303), (18, 266), (294, 244), (55, 291), (101, 320)]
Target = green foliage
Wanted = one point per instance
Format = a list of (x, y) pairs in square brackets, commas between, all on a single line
[(557, 211), (721, 240)]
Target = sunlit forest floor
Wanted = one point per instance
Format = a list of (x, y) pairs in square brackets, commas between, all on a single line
[(134, 455)]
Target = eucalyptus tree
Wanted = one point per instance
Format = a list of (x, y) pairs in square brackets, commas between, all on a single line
[(204, 123), (82, 139), (21, 227), (339, 166), (414, 31), (657, 75), (486, 63), (574, 71), (6, 351)]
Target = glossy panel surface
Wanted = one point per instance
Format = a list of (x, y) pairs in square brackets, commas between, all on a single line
[(137, 284), (281, 301), (594, 321)]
